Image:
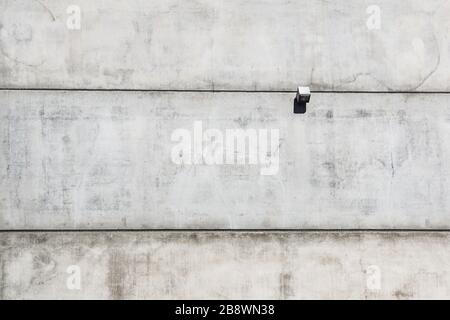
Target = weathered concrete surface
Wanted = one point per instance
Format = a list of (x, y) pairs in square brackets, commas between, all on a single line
[(103, 160), (237, 44), (180, 265)]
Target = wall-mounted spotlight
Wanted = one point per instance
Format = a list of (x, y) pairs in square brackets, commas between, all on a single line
[(302, 98)]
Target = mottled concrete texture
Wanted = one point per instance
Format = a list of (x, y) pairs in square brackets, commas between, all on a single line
[(234, 44), (103, 160), (269, 265), (362, 157)]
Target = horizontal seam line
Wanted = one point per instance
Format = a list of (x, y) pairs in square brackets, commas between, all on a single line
[(220, 91), (223, 230)]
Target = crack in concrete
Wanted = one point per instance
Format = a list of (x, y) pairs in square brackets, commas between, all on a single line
[(435, 67), (47, 9)]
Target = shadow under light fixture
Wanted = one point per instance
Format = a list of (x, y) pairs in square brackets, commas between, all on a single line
[(302, 98)]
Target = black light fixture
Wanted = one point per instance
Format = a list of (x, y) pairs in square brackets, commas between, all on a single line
[(302, 98)]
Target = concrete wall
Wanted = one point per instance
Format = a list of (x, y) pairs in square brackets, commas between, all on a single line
[(103, 160), (229, 45), (91, 149), (226, 265)]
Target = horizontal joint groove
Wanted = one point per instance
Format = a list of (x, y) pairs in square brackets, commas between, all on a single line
[(221, 91), (226, 230)]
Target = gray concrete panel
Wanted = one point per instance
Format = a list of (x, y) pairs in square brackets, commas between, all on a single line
[(226, 45), (225, 265), (106, 160)]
